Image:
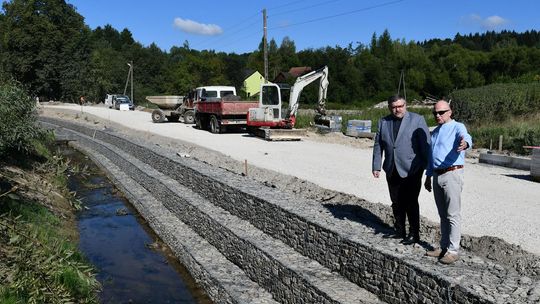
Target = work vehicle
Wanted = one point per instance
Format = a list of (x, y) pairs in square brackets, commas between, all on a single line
[(115, 100), (217, 112), (270, 121), (172, 107)]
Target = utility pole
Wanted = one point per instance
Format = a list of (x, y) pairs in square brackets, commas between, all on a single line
[(129, 77), (265, 47), (131, 68)]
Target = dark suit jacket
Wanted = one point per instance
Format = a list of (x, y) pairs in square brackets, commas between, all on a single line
[(409, 152)]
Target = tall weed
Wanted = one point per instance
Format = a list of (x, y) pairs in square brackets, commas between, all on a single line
[(18, 129)]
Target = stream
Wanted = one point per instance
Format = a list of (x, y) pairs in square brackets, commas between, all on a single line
[(132, 263)]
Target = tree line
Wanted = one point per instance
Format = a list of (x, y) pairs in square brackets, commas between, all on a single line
[(46, 45)]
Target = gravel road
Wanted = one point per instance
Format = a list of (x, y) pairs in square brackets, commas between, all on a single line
[(497, 201)]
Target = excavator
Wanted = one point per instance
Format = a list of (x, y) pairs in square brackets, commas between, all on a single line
[(272, 122)]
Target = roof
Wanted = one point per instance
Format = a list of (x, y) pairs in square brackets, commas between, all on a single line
[(294, 72), (299, 71)]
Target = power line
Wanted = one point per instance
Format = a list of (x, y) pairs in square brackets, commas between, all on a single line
[(225, 36), (285, 5), (249, 26), (338, 15), (304, 8), (242, 38), (211, 39)]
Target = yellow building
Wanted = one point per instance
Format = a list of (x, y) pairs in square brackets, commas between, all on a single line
[(252, 84)]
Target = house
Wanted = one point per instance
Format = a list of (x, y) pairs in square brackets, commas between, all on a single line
[(252, 84), (293, 73)]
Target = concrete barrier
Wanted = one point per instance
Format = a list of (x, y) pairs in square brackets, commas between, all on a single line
[(506, 161), (535, 165)]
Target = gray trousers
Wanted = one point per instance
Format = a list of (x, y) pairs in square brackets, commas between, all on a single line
[(447, 189)]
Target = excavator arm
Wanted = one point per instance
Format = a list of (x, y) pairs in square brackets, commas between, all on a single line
[(302, 82)]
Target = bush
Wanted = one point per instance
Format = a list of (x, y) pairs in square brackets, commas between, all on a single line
[(495, 102), (18, 131), (516, 134)]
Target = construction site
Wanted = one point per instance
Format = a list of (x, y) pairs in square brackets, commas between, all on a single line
[(258, 221)]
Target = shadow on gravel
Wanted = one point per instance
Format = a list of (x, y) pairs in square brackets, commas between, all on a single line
[(367, 218), (526, 177)]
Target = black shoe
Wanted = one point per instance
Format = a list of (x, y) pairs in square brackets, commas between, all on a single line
[(399, 233), (409, 240)]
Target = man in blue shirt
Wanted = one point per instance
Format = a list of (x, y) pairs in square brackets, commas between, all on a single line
[(448, 144)]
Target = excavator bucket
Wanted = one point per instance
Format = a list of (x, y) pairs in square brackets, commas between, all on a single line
[(280, 134)]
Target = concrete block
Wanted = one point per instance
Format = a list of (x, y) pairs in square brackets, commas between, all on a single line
[(506, 161)]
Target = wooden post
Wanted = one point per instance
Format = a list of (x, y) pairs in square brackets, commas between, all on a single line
[(245, 167), (490, 144), (500, 143)]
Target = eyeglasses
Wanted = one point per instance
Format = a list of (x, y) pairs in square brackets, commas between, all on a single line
[(397, 107), (441, 113)]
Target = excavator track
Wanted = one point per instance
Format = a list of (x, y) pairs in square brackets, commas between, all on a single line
[(280, 134)]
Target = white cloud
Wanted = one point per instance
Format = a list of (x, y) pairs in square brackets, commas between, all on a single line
[(190, 26), (493, 22), (489, 23)]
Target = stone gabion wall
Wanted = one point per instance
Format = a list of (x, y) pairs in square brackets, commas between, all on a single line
[(294, 221), (375, 269)]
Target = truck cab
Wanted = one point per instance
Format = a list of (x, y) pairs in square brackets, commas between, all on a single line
[(213, 92)]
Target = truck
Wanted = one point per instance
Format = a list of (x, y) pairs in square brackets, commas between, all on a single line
[(219, 108), (270, 121), (172, 107)]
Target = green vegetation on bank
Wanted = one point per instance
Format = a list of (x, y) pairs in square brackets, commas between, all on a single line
[(39, 260), (40, 264), (18, 132)]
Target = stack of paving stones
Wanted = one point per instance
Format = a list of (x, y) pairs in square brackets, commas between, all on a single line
[(248, 243)]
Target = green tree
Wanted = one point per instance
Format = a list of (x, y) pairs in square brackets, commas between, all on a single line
[(287, 52), (46, 47)]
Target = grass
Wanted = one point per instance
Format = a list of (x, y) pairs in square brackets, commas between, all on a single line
[(45, 266), (40, 260), (517, 132), (373, 114)]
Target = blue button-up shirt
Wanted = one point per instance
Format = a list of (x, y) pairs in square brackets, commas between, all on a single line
[(445, 140)]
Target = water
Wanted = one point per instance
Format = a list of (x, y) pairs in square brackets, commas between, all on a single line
[(133, 265)]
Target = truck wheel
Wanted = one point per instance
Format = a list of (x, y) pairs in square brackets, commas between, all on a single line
[(199, 122), (158, 116), (214, 125), (189, 117)]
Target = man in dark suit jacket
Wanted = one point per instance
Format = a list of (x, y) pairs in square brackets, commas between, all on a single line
[(404, 139)]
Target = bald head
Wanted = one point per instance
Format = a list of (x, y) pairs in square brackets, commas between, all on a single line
[(442, 104), (442, 112)]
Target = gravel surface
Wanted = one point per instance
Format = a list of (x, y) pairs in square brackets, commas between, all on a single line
[(497, 201)]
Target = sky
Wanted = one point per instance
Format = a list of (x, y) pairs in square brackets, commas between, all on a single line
[(237, 26)]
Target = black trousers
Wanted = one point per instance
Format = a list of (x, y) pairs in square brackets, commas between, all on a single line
[(404, 196)]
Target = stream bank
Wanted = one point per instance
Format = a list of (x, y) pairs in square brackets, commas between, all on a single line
[(132, 264)]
